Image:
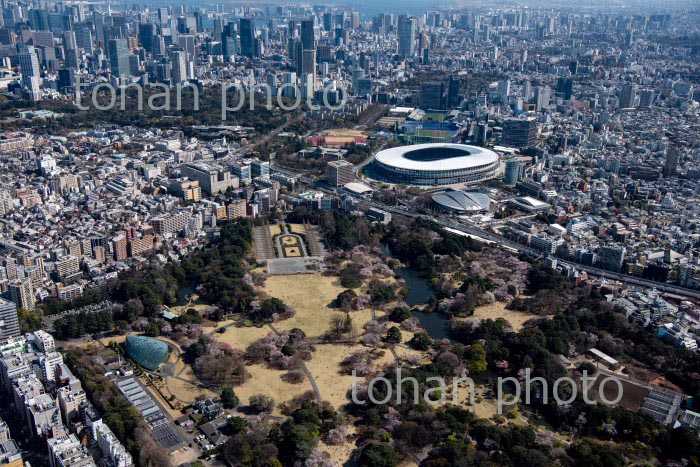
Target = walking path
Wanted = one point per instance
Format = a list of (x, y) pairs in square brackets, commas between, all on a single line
[(391, 347), (306, 371)]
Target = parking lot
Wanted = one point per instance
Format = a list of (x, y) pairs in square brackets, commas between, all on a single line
[(308, 265)]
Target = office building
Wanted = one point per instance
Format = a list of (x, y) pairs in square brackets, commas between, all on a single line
[(504, 89), (9, 323), (187, 43), (247, 31), (646, 98), (119, 57), (481, 133), (378, 215), (43, 415), (188, 190), (66, 80), (83, 39), (308, 35), (565, 86), (610, 257), (147, 31), (4, 431), (213, 179), (512, 172), (70, 50), (431, 96), (519, 133), (407, 37), (628, 95), (10, 453), (454, 87), (229, 39), (31, 71), (671, 163), (328, 21), (543, 96), (178, 62), (260, 169), (308, 63), (339, 173), (70, 399), (242, 171)]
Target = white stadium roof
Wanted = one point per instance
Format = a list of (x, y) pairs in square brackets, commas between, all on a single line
[(474, 156)]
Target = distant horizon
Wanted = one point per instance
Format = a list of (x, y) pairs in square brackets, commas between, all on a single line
[(367, 8), (371, 8)]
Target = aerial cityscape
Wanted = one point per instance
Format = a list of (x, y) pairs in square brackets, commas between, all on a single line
[(349, 233)]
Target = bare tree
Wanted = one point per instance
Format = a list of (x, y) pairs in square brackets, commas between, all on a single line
[(151, 454)]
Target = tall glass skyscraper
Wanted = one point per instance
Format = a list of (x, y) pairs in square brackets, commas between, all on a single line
[(119, 57), (308, 39), (31, 71), (247, 37), (407, 36)]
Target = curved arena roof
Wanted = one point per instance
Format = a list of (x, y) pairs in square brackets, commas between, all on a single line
[(435, 164), (148, 352), (436, 156), (461, 201)]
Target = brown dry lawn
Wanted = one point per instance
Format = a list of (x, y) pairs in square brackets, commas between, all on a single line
[(118, 339), (325, 367), (200, 307), (275, 229), (187, 390), (287, 240), (297, 228), (340, 454), (266, 381), (310, 296), (292, 252), (241, 338), (498, 310)]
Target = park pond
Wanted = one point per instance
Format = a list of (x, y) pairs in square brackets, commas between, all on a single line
[(437, 325)]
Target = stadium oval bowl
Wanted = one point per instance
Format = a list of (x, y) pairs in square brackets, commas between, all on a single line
[(435, 164)]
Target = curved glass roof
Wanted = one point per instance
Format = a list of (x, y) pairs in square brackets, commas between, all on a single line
[(148, 352), (463, 201)]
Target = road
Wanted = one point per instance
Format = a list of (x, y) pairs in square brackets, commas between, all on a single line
[(499, 240), (495, 238), (490, 236), (306, 371)]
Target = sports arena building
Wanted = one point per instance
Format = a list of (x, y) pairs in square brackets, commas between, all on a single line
[(435, 164), (461, 202)]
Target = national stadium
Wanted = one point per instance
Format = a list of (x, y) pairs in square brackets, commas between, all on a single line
[(435, 164)]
